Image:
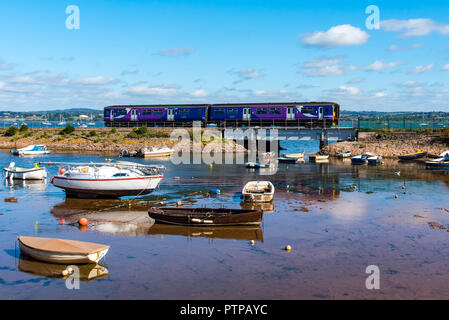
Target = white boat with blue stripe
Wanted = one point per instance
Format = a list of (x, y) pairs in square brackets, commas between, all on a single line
[(31, 150)]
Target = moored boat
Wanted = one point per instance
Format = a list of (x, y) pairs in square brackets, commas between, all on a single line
[(36, 173), (437, 164), (318, 158), (374, 160), (206, 216), (256, 165), (294, 155), (345, 155), (413, 156), (107, 180), (290, 160), (31, 150), (62, 251), (359, 160), (258, 191), (153, 152)]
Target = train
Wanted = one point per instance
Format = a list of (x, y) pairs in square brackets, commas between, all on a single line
[(310, 114)]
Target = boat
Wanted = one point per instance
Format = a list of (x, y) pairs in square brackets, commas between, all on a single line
[(31, 150), (106, 180), (258, 191), (413, 156), (290, 160), (318, 158), (36, 173), (268, 155), (256, 165), (358, 160), (206, 216), (345, 155), (153, 152), (62, 251), (295, 155), (374, 160), (437, 164)]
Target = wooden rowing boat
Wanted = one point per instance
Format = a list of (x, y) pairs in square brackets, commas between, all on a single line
[(413, 156), (258, 191), (206, 216), (62, 251)]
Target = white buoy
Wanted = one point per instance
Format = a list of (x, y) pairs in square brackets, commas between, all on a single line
[(288, 248)]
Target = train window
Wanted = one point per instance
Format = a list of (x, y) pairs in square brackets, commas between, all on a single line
[(275, 110), (157, 111), (184, 112), (307, 110), (146, 112), (219, 111), (121, 112), (232, 111), (262, 111)]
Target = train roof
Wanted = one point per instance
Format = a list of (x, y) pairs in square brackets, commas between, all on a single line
[(221, 105)]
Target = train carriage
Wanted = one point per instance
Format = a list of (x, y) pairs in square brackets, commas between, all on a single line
[(274, 114)]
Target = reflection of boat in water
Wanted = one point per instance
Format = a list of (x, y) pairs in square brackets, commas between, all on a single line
[(38, 185), (87, 272), (235, 233)]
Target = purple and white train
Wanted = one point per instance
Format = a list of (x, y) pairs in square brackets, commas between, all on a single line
[(235, 114)]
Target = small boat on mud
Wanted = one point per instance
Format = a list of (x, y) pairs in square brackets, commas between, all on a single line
[(295, 155), (62, 251), (31, 150), (257, 165), (374, 160), (258, 191), (13, 172), (359, 160), (413, 156), (318, 158), (106, 180), (344, 155), (206, 217), (153, 152)]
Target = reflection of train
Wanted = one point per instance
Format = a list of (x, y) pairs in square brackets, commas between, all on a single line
[(293, 113)]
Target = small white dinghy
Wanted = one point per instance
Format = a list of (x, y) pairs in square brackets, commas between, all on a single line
[(258, 191), (153, 152), (318, 158), (36, 173), (295, 155), (31, 150), (62, 251)]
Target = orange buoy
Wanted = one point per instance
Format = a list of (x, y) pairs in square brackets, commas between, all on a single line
[(62, 171), (61, 221), (83, 222)]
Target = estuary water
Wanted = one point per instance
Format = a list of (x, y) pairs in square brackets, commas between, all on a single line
[(339, 219)]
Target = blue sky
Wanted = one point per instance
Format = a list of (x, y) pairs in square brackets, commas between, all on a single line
[(148, 52)]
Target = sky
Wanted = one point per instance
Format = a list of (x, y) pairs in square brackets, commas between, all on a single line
[(205, 51)]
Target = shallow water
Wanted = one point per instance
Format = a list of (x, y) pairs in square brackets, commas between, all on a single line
[(338, 218)]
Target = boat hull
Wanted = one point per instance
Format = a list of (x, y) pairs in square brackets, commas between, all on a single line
[(203, 217), (106, 188), (62, 258), (31, 174), (413, 156)]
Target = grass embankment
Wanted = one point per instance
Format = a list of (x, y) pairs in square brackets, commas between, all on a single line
[(392, 143)]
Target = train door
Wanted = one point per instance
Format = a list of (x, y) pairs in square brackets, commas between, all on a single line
[(320, 113), (134, 116), (171, 114), (246, 113), (111, 115), (291, 113)]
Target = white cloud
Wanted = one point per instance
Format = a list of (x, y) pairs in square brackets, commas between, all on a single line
[(199, 93), (446, 67), (395, 47), (176, 52), (380, 94), (379, 65), (142, 90), (343, 35), (414, 27), (350, 90), (325, 67), (420, 69), (249, 74), (99, 80)]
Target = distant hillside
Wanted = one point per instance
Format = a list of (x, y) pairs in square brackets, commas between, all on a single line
[(393, 115), (54, 115)]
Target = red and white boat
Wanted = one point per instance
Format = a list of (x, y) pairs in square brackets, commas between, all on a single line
[(107, 180)]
